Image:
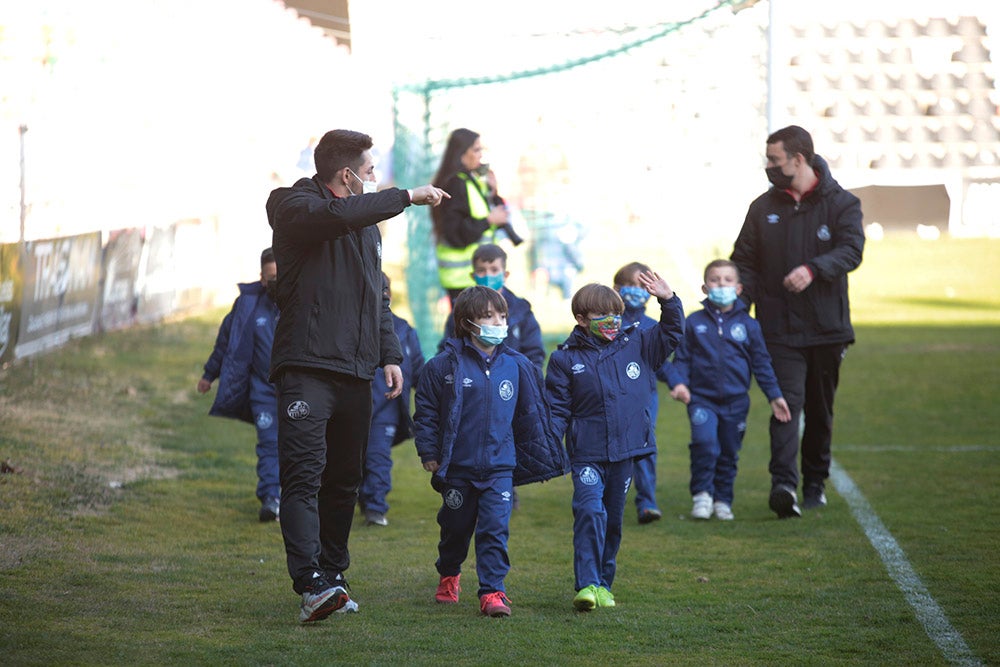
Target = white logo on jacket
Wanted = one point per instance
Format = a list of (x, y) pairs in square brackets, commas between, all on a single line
[(506, 390), (701, 328), (449, 379), (466, 382), (264, 420), (589, 476), (453, 499), (578, 368), (633, 370), (738, 332), (298, 410), (823, 233), (772, 218)]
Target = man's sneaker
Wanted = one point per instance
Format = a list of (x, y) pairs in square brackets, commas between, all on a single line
[(723, 511), (604, 597), (494, 604), (320, 599), (649, 515), (784, 503), (350, 606), (701, 507), (373, 518), (586, 599), (269, 509), (813, 496), (448, 590)]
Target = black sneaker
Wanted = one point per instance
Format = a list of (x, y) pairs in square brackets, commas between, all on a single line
[(320, 599), (649, 515), (813, 497), (269, 510), (784, 503)]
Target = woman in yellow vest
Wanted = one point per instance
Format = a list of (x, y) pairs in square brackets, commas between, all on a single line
[(473, 214)]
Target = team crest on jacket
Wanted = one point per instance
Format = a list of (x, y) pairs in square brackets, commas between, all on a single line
[(264, 420), (578, 368), (589, 476), (506, 390), (772, 218), (453, 499), (823, 233), (298, 410), (633, 370), (738, 332)]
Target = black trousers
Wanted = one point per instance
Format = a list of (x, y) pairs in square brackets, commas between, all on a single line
[(323, 421), (808, 378)]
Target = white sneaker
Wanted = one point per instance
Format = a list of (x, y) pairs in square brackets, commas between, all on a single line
[(723, 512), (702, 508)]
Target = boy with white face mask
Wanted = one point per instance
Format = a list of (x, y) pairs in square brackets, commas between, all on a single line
[(711, 375), (481, 427)]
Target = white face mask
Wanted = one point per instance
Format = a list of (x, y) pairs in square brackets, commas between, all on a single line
[(367, 187)]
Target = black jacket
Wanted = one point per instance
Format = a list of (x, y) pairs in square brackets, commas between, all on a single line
[(334, 312), (822, 231)]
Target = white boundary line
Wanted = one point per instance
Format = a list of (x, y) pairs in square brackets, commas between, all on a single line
[(915, 448), (948, 640)]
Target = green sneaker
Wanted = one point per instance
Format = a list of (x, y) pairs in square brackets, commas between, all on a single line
[(604, 597), (586, 599)]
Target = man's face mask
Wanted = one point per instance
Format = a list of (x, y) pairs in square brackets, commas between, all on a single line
[(367, 187)]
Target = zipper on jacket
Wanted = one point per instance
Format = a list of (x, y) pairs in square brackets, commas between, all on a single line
[(483, 450)]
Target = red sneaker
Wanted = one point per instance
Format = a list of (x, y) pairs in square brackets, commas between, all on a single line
[(448, 590), (494, 604)]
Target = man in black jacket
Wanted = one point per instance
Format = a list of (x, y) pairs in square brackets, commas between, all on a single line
[(799, 241), (334, 331)]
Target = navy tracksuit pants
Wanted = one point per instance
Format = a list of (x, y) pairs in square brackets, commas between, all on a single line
[(599, 491), (717, 432)]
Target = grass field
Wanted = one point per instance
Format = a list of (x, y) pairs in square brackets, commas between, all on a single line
[(128, 530)]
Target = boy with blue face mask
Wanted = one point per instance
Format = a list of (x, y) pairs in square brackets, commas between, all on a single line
[(489, 268), (634, 296), (597, 388), (711, 375), (481, 427)]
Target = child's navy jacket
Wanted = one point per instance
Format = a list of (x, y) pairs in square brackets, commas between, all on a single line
[(717, 354), (512, 434), (397, 410), (598, 392)]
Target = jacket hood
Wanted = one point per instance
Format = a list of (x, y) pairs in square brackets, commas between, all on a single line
[(278, 195)]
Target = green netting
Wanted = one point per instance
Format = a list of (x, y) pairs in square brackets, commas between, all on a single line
[(423, 115)]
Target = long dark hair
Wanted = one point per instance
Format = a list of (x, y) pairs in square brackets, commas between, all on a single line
[(459, 141)]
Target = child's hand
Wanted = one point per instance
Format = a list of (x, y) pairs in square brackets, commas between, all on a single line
[(431, 466), (780, 410), (655, 285), (681, 393)]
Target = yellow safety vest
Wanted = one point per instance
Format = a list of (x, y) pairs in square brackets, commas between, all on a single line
[(455, 264)]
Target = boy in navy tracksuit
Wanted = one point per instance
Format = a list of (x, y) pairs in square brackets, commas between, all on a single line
[(241, 360), (598, 394), (391, 423), (644, 477), (489, 268), (482, 426), (711, 374)]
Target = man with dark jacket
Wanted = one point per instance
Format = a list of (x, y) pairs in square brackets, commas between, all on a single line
[(799, 241), (241, 362), (335, 330)]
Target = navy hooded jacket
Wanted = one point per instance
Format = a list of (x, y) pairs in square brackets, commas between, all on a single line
[(396, 411), (512, 438), (598, 392)]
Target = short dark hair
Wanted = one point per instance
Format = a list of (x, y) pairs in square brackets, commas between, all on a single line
[(338, 149), (266, 257), (719, 263), (626, 272), (596, 298), (794, 140), (489, 252), (473, 302)]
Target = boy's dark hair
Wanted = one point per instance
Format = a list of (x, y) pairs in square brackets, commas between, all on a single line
[(473, 302), (626, 272), (719, 263), (596, 298), (338, 149), (794, 140), (266, 257), (489, 252)]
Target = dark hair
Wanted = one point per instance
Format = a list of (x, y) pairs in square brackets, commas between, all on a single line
[(794, 140), (596, 298), (626, 273), (719, 263), (459, 141), (266, 257), (338, 149), (489, 252), (473, 302)]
